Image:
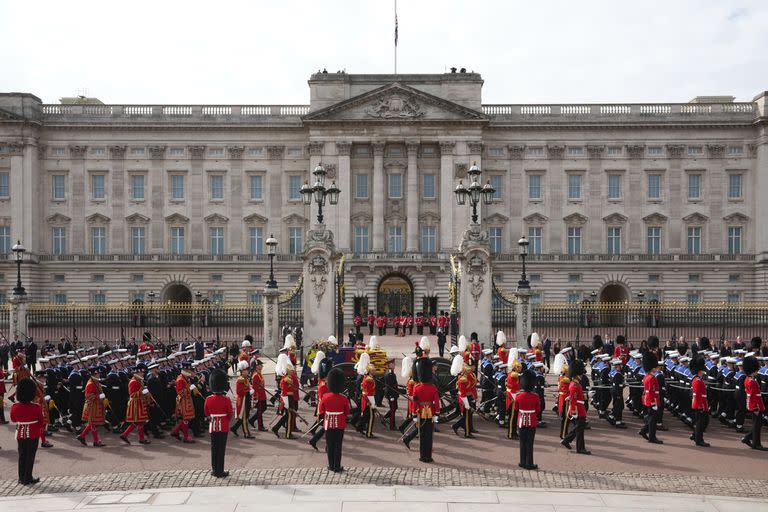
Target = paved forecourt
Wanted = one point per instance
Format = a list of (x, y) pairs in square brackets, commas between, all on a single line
[(621, 459), (376, 498)]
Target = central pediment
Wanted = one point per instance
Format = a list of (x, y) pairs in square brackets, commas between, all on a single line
[(396, 103)]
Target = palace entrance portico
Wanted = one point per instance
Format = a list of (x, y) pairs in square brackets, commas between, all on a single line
[(395, 295)]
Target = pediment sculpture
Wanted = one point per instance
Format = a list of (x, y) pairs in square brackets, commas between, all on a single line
[(395, 106)]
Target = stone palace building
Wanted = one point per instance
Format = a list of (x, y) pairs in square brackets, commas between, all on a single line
[(116, 201)]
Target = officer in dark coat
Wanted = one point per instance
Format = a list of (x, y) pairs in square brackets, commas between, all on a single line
[(392, 392), (76, 387), (156, 387)]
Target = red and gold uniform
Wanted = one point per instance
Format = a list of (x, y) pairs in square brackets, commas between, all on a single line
[(474, 353), (527, 409), (652, 405), (503, 355), (29, 420), (242, 404), (621, 352), (185, 409), (218, 407), (93, 411), (335, 409), (20, 370), (699, 400), (512, 386), (245, 355), (42, 402), (466, 387), (2, 396), (137, 411), (367, 405), (259, 397), (427, 400), (756, 406), (288, 413)]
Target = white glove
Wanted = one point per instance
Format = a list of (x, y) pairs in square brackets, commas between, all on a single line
[(655, 407), (102, 396), (436, 419), (371, 402), (591, 393), (465, 401), (415, 420), (286, 401), (192, 387), (145, 391), (572, 417), (47, 397)]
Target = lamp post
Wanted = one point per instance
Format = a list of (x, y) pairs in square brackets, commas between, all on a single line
[(319, 192), (271, 251), (523, 245), (640, 296), (198, 296), (474, 192), (18, 251), (151, 296)]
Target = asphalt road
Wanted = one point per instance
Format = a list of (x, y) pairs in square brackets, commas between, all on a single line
[(613, 450)]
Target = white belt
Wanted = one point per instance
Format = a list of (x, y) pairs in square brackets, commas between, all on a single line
[(333, 413), (20, 423), (580, 402), (217, 415), (527, 410)]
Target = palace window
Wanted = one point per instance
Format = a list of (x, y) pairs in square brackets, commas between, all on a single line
[(59, 187), (695, 150), (614, 186), (361, 239), (361, 186), (494, 239), (735, 150), (614, 240), (294, 188), (97, 186), (428, 239), (694, 278), (177, 187), (574, 240), (536, 151), (99, 240), (177, 240), (60, 298), (5, 188), (256, 188), (693, 297), (395, 239), (734, 240), (5, 240), (138, 238), (733, 298), (256, 240), (575, 151), (294, 240), (255, 298), (59, 244), (574, 186), (216, 236), (177, 152), (534, 186), (694, 186), (654, 186), (655, 151), (216, 152), (428, 186), (98, 278), (98, 298), (395, 186), (734, 186), (217, 187), (137, 187), (654, 240), (614, 150), (498, 187), (534, 240), (694, 240)]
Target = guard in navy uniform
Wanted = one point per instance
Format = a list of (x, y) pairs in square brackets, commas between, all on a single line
[(487, 383), (391, 392), (616, 379)]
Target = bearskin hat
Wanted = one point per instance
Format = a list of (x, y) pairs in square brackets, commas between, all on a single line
[(26, 391), (650, 361), (424, 370), (576, 369), (583, 353), (653, 342), (696, 364), (755, 343), (704, 344), (218, 381), (620, 339), (326, 365), (335, 381), (527, 380), (597, 342), (750, 365)]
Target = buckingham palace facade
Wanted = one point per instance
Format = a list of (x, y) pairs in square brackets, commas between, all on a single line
[(116, 201)]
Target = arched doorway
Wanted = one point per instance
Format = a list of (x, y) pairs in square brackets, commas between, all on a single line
[(177, 293), (394, 295), (614, 292)]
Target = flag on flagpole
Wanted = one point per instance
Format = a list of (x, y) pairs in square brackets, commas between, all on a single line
[(395, 23)]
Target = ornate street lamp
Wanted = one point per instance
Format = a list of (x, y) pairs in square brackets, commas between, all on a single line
[(151, 296), (593, 295), (198, 296), (640, 296), (318, 192), (474, 192), (523, 245), (18, 251), (271, 251)]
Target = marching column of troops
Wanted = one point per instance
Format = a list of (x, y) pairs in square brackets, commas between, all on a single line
[(83, 392)]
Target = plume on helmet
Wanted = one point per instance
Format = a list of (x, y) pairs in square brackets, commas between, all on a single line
[(560, 361), (373, 342), (457, 365), (319, 356), (290, 342), (424, 343), (332, 339), (512, 361), (501, 338), (462, 343), (362, 364), (242, 365), (535, 340), (407, 367), (281, 366)]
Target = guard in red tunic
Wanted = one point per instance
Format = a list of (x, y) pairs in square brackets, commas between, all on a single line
[(334, 407), (43, 400), (501, 342), (755, 403), (512, 385), (245, 351), (20, 371), (93, 409), (651, 400), (371, 320), (3, 375), (185, 408), (475, 350), (283, 369), (527, 408), (563, 386), (699, 402), (218, 409), (577, 412), (358, 321), (420, 323), (621, 351), (242, 401), (320, 367), (29, 423), (259, 394), (427, 400), (367, 395), (465, 386), (137, 411)]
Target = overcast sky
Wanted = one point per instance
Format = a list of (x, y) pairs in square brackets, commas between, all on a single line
[(253, 52)]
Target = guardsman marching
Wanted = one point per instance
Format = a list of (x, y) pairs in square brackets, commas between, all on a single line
[(367, 397), (699, 402), (527, 408), (755, 403), (563, 385), (258, 387), (577, 412), (2, 395), (218, 408), (243, 401), (512, 388), (475, 351), (320, 367), (427, 400), (44, 401), (406, 372), (28, 417), (616, 379), (334, 408), (391, 392), (358, 321), (185, 410), (466, 386), (20, 370), (371, 320), (283, 369), (245, 352), (419, 323), (137, 410), (501, 342), (621, 351), (94, 409), (651, 400)]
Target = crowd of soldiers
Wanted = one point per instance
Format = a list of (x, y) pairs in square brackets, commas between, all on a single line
[(403, 323)]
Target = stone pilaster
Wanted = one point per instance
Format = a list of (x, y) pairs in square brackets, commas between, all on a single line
[(474, 258), (446, 195), (17, 323), (344, 208), (319, 267), (78, 199), (271, 322), (234, 236), (412, 199), (198, 194), (379, 193), (278, 193), (523, 316)]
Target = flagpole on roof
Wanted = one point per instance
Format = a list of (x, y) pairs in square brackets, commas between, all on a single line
[(395, 36)]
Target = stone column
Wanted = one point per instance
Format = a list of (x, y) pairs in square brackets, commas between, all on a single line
[(117, 236), (18, 320), (79, 198), (380, 194), (344, 209), (319, 267), (234, 237), (475, 291), (412, 199), (278, 193), (523, 316), (271, 315), (446, 196), (197, 203)]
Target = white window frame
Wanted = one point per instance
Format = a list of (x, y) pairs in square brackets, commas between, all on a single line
[(392, 191), (358, 194), (216, 240), (429, 239), (138, 236), (95, 176)]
